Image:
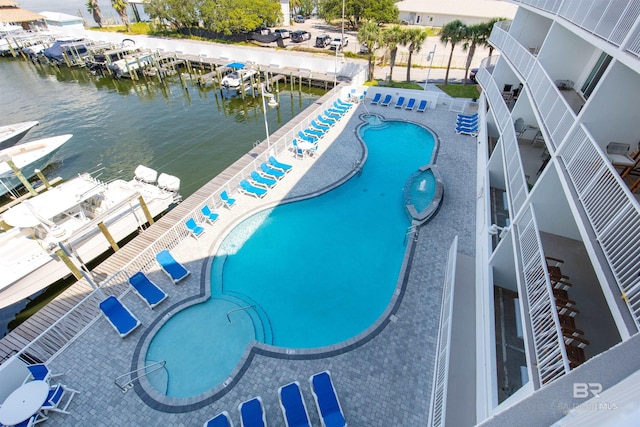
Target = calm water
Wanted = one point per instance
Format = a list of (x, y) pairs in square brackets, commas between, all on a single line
[(191, 134), (350, 243)]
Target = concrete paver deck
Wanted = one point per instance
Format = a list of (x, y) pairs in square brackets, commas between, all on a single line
[(385, 380)]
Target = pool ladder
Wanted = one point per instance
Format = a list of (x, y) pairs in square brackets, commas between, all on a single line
[(413, 229), (238, 309), (125, 387)]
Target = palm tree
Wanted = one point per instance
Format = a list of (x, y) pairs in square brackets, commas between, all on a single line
[(453, 32), (369, 35), (120, 6), (475, 36), (94, 8), (487, 32), (392, 38), (415, 39)]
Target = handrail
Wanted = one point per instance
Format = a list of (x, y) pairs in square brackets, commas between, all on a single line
[(238, 309), (128, 386)]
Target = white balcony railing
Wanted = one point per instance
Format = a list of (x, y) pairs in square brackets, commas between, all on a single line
[(438, 407), (516, 182), (550, 352), (611, 211), (611, 20)]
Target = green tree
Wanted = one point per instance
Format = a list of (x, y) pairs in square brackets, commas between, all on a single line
[(179, 13), (415, 38), (453, 32), (120, 6), (369, 34), (94, 8), (487, 31), (392, 38), (236, 16), (381, 11), (306, 7), (474, 37)]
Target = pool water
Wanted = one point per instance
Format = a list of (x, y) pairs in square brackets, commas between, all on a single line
[(423, 188), (303, 275)]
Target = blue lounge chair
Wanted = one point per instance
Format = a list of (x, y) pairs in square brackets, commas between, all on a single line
[(422, 106), (467, 130), (332, 115), (209, 216), (326, 120), (270, 172), (118, 316), (313, 133), (462, 120), (220, 420), (146, 289), (320, 127), (376, 98), (400, 102), (308, 138), (170, 266), (277, 165), (410, 104), (339, 107), (262, 181), (195, 229), (247, 188), (228, 201), (56, 397), (252, 413), (294, 410), (467, 116), (342, 103), (387, 101), (324, 393)]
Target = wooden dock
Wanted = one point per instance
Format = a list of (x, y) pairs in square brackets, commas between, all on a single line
[(17, 339)]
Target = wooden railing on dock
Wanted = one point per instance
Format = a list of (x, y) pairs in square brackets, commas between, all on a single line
[(51, 329)]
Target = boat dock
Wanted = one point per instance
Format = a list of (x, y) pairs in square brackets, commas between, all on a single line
[(113, 266)]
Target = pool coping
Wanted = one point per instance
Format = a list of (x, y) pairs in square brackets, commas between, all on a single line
[(158, 401)]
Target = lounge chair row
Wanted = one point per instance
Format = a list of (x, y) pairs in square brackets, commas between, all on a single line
[(422, 106), (467, 124), (294, 409), (119, 316)]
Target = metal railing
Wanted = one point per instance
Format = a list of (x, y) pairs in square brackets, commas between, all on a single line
[(438, 406), (68, 327), (550, 352), (516, 182), (156, 366), (610, 20), (611, 210)]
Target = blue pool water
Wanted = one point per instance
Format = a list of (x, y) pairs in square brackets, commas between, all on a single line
[(301, 275), (423, 188)]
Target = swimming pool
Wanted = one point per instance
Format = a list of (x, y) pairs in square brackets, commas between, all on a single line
[(307, 274)]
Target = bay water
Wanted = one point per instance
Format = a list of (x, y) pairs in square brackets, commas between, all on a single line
[(178, 129)]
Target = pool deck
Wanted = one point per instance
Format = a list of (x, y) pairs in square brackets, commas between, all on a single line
[(383, 380)]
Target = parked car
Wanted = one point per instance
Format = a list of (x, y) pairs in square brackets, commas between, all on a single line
[(300, 36), (338, 43), (263, 31), (299, 19), (472, 74), (283, 33), (364, 49), (323, 40)]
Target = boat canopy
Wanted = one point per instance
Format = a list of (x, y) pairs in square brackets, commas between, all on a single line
[(53, 202), (235, 65)]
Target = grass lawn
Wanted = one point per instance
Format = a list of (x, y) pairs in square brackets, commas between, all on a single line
[(460, 91), (397, 85)]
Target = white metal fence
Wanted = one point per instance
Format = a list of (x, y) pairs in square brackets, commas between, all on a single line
[(60, 334), (551, 354), (438, 407), (611, 211)]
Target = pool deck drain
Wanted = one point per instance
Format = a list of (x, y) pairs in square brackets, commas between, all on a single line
[(386, 381)]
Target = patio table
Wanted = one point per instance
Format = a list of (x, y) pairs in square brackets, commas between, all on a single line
[(23, 402)]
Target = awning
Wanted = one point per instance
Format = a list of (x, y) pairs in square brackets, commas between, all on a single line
[(15, 14)]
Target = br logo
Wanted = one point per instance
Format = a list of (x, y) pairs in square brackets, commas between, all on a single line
[(585, 390)]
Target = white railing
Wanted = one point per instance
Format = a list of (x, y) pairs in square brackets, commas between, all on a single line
[(438, 407), (517, 190), (611, 20), (60, 334), (550, 351), (553, 108), (611, 210)]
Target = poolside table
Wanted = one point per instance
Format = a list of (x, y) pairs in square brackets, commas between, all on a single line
[(306, 146), (24, 402)]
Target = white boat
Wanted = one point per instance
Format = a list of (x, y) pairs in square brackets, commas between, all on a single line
[(11, 134), (71, 213), (136, 62), (27, 157), (234, 83)]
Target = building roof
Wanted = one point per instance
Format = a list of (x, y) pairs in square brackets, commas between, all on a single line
[(15, 14), (8, 3), (61, 17), (475, 8)]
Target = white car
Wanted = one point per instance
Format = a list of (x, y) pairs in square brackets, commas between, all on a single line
[(337, 42)]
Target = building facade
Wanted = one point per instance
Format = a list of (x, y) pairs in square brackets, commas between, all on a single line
[(557, 287)]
